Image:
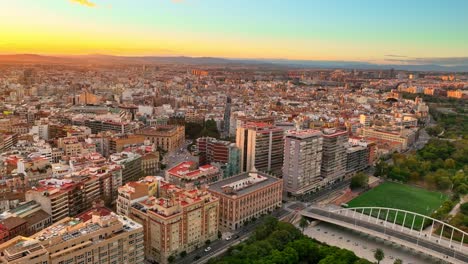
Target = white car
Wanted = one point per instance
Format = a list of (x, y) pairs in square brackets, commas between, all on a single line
[(228, 238), (207, 249)]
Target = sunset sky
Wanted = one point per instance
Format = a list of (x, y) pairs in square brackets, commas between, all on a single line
[(360, 30)]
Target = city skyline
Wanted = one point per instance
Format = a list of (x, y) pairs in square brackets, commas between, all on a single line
[(376, 32)]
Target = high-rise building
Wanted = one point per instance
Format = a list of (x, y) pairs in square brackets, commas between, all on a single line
[(98, 236), (357, 158), (176, 220), (227, 117), (223, 154), (302, 161), (261, 147), (334, 155)]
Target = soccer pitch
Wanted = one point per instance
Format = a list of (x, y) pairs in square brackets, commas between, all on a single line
[(400, 196)]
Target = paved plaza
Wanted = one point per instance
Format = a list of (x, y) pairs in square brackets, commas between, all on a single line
[(364, 245)]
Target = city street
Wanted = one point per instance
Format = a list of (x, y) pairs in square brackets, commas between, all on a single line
[(221, 245), (173, 158)]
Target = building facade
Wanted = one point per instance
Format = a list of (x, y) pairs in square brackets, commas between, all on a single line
[(222, 154), (334, 155), (169, 138), (261, 147), (97, 237), (246, 196), (177, 220), (302, 161)]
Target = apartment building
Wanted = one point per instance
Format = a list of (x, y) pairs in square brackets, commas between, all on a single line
[(120, 142), (134, 192), (261, 147), (357, 158), (176, 220), (96, 237), (333, 155), (109, 125), (65, 197), (188, 173), (131, 165), (169, 138), (246, 196), (31, 212), (222, 154), (302, 161), (405, 136)]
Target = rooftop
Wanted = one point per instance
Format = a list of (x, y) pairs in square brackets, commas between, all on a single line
[(302, 134), (188, 169), (247, 182)]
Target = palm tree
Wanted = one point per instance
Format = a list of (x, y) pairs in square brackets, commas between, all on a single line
[(379, 255), (303, 223)]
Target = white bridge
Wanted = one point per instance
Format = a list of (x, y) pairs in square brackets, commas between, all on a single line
[(384, 223)]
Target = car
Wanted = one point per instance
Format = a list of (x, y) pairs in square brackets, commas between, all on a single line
[(197, 257), (236, 236), (228, 238), (207, 249)]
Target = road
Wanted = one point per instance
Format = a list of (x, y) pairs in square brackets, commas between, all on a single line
[(325, 192), (173, 158), (393, 233), (219, 246)]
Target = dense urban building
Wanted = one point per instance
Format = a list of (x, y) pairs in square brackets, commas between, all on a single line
[(222, 154), (168, 138), (302, 161), (261, 147), (136, 191), (176, 220), (333, 155), (246, 196), (98, 236), (189, 173), (131, 164)]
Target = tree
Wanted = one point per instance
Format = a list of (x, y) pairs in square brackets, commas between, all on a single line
[(183, 254), (207, 242), (219, 234), (303, 223), (398, 261), (379, 255), (360, 180), (464, 208), (170, 259)]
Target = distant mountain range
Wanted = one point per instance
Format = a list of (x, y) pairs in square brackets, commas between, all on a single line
[(109, 59)]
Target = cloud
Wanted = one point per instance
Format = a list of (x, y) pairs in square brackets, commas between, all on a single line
[(444, 61), (86, 3), (396, 56)]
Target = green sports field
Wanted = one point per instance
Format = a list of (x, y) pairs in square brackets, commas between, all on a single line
[(400, 196)]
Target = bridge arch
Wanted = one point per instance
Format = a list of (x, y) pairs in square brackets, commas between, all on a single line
[(383, 222), (413, 215)]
